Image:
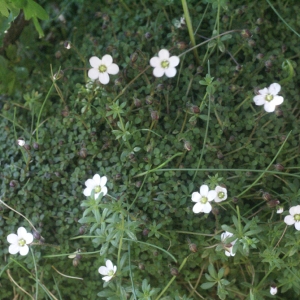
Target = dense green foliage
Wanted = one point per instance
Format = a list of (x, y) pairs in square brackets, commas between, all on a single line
[(148, 136)]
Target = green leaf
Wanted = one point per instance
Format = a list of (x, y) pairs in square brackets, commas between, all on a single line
[(212, 271), (34, 10), (4, 9), (207, 285), (221, 273)]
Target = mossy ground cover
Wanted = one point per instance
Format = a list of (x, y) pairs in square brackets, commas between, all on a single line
[(157, 140)]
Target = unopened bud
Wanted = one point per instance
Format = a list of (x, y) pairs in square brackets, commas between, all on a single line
[(251, 43), (273, 203), (181, 45), (149, 100), (75, 262), (279, 167), (266, 196), (154, 115), (174, 272), (141, 266), (193, 247), (245, 33), (67, 45), (268, 63), (259, 56), (220, 155), (133, 57), (259, 21), (36, 235), (27, 147), (13, 183), (283, 48), (146, 231), (148, 35), (137, 102), (187, 146), (278, 112)]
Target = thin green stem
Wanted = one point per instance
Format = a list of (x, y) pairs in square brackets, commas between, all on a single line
[(36, 275)]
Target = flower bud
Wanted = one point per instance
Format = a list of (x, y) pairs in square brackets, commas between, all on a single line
[(58, 75), (148, 35), (174, 272), (231, 138), (193, 247), (181, 45), (273, 290), (199, 70), (137, 102), (154, 115), (65, 111), (251, 43), (82, 230), (133, 57), (57, 54), (273, 203), (118, 176), (105, 17), (215, 211), (21, 142), (149, 100), (146, 231), (118, 81), (82, 153), (104, 26), (160, 87), (220, 155), (245, 33), (268, 63), (27, 147), (75, 262), (194, 109), (283, 48), (235, 200), (141, 266), (155, 253), (259, 21), (67, 45), (187, 146), (36, 146), (279, 167), (13, 183), (266, 196), (257, 30), (278, 112), (36, 235), (259, 56), (138, 184)]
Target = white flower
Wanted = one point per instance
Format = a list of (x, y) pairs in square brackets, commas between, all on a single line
[(164, 64), (109, 271), (294, 217), (21, 142), (228, 247), (202, 199), (98, 184), (273, 290), (101, 68), (221, 194), (19, 241), (268, 97), (179, 23), (279, 209)]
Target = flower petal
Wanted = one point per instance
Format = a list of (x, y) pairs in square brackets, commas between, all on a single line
[(274, 88), (158, 72), (295, 210), (104, 190), (197, 208), (196, 197), (113, 69), (95, 62), (259, 100), (164, 54), (206, 208), (211, 195), (12, 238), (107, 60), (277, 100), (297, 225), (104, 78), (28, 238), (93, 74), (90, 184), (13, 249), (87, 192), (97, 180), (24, 250), (21, 232), (204, 190), (269, 106), (264, 91), (115, 269), (103, 270), (103, 181), (174, 61), (170, 72), (107, 278), (109, 265), (155, 62), (289, 220)]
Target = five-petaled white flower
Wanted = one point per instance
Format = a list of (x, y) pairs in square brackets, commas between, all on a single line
[(228, 247), (268, 97), (164, 64), (294, 217), (98, 184), (19, 241), (108, 271), (202, 199), (273, 290), (102, 67), (221, 194)]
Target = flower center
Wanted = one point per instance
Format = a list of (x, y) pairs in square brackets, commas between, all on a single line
[(97, 189), (165, 64), (297, 218), (102, 69), (269, 98), (221, 195), (203, 200), (22, 242), (110, 273)]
